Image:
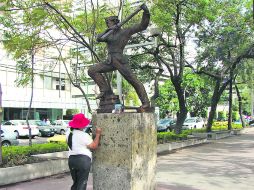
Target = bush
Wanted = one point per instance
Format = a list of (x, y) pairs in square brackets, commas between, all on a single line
[(221, 116), (235, 116), (223, 125), (18, 155), (165, 137)]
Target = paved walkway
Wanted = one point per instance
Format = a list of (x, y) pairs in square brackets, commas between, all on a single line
[(226, 164)]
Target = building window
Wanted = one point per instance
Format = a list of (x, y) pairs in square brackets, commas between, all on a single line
[(58, 84)]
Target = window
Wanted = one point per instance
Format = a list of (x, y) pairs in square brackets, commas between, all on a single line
[(58, 84), (7, 123)]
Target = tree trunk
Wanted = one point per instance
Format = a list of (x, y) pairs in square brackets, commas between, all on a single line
[(31, 100), (181, 116), (240, 105), (218, 90), (156, 91), (1, 115), (214, 102), (230, 105)]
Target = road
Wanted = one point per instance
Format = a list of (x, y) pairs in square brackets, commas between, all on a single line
[(226, 164), (36, 140)]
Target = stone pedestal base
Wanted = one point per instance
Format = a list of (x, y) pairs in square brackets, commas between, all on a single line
[(126, 157)]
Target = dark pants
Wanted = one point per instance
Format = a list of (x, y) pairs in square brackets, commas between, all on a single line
[(79, 167)]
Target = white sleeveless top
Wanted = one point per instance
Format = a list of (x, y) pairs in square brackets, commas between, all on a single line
[(80, 140)]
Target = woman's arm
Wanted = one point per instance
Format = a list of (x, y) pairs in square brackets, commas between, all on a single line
[(96, 141)]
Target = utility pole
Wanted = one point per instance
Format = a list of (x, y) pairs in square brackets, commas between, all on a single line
[(118, 74)]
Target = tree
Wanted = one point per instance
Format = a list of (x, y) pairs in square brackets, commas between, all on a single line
[(76, 32), (177, 19), (196, 90), (44, 17), (224, 44)]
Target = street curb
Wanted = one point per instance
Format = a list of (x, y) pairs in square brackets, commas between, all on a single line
[(171, 147), (32, 171)]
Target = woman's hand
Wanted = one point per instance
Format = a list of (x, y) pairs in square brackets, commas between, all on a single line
[(96, 141), (98, 131)]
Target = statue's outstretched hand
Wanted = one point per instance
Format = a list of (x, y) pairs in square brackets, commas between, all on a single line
[(144, 7)]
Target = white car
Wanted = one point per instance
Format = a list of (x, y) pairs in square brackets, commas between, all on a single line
[(193, 123), (9, 138), (60, 126), (20, 128)]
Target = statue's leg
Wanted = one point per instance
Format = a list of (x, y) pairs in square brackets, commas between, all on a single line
[(127, 73), (95, 72)]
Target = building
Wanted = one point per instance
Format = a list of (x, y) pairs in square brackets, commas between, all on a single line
[(53, 93)]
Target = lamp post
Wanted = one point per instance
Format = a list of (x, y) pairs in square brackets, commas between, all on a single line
[(154, 32), (118, 75)]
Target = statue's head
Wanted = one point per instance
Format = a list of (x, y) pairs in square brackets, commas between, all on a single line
[(111, 21)]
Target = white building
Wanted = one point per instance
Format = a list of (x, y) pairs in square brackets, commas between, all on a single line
[(53, 93)]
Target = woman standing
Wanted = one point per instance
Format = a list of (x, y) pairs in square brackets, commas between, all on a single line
[(80, 155)]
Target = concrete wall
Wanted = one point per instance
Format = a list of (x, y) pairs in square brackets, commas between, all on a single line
[(126, 158), (32, 171)]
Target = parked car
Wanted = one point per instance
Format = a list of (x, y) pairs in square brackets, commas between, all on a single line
[(251, 122), (20, 128), (60, 126), (9, 138), (88, 129), (193, 123), (45, 130), (165, 125), (238, 122), (62, 138)]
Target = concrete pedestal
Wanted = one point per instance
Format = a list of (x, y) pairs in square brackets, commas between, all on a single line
[(126, 158)]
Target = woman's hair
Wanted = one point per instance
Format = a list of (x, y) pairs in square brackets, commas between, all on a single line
[(69, 141)]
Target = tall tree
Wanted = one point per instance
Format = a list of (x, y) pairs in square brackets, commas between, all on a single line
[(177, 19), (224, 43)]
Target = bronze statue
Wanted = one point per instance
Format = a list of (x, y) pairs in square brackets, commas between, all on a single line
[(116, 39)]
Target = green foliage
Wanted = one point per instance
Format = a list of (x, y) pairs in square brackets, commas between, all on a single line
[(18, 155), (235, 116), (221, 115), (167, 99), (197, 92), (223, 125), (165, 137)]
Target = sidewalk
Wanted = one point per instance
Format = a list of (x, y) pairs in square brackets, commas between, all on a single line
[(226, 164), (58, 163)]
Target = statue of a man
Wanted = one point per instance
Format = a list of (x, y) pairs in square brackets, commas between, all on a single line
[(116, 42)]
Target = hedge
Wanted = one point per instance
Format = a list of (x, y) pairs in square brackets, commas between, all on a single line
[(165, 137), (18, 155)]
